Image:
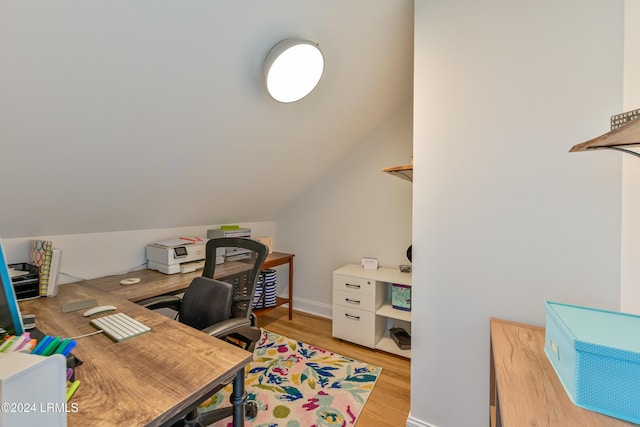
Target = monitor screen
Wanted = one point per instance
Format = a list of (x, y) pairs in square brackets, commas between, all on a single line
[(10, 318)]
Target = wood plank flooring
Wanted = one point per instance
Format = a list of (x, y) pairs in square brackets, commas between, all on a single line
[(388, 404)]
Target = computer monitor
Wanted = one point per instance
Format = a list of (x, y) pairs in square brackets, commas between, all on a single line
[(10, 318)]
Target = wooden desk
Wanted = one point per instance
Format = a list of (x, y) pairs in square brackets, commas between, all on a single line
[(525, 390), (149, 380), (153, 283)]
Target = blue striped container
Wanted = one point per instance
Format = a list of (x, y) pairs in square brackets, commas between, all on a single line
[(267, 286), (596, 354)]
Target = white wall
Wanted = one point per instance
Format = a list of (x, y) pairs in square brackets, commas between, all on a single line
[(630, 287), (504, 217), (119, 115), (87, 256), (356, 210)]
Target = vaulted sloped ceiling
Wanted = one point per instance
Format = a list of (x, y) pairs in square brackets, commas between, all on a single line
[(120, 115)]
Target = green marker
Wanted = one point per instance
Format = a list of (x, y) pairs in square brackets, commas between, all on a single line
[(52, 346), (72, 389)]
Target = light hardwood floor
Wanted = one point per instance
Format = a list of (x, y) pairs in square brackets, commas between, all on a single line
[(388, 404)]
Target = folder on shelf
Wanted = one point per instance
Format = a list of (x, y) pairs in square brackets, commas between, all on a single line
[(56, 261), (41, 252)]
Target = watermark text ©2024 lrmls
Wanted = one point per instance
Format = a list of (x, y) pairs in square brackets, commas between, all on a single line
[(40, 407)]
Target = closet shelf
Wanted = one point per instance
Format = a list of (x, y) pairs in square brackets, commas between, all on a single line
[(404, 172), (619, 138)]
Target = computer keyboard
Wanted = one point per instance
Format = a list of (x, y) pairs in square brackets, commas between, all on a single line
[(119, 326)]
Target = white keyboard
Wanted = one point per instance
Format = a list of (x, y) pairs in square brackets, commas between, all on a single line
[(119, 326)]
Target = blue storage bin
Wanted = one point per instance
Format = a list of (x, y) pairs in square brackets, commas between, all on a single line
[(596, 354)]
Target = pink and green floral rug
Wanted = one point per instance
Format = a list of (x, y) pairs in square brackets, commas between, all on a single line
[(298, 385)]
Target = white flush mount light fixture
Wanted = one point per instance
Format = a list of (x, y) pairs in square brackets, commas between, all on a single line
[(292, 69)]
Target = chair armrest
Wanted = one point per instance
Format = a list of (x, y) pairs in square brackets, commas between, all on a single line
[(162, 301), (226, 327)]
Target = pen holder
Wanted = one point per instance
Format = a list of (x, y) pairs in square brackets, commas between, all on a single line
[(39, 380)]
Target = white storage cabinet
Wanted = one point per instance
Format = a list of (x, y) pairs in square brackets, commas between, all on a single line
[(362, 310)]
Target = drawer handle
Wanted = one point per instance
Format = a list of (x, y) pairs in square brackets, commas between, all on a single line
[(352, 301), (351, 316), (349, 285)]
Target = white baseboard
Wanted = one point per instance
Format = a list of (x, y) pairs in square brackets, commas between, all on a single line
[(414, 422), (312, 307)]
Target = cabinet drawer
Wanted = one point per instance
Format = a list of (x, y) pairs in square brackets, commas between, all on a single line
[(354, 284), (354, 300), (354, 325)]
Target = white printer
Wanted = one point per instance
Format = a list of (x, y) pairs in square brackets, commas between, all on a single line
[(230, 254), (176, 255)]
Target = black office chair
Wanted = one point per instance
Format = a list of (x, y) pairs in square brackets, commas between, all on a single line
[(221, 307)]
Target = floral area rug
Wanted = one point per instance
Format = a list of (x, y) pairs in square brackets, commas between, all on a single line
[(298, 385)]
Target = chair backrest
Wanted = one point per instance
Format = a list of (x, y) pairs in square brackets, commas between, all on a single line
[(205, 303), (247, 256)]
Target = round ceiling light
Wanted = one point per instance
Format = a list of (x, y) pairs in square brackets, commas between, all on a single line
[(292, 69)]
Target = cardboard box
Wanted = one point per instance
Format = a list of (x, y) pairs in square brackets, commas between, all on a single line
[(596, 354)]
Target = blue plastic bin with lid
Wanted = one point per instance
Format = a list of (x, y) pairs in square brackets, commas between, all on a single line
[(596, 354)]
